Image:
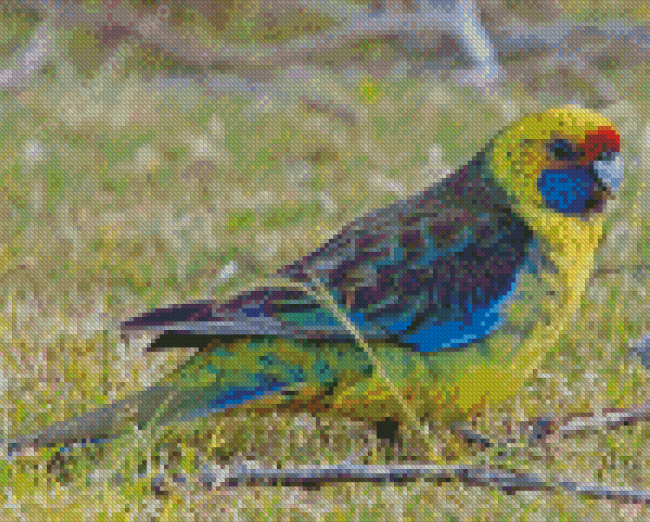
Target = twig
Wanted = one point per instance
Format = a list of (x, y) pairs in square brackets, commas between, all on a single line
[(609, 419), (475, 476), (354, 23), (540, 430), (521, 39), (420, 31), (139, 436)]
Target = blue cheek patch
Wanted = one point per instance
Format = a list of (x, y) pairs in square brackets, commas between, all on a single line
[(567, 191)]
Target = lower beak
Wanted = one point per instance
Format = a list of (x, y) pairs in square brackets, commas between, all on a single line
[(597, 203)]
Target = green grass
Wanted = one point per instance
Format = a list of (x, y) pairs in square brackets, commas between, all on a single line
[(107, 211)]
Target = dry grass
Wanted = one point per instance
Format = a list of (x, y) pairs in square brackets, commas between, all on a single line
[(117, 196)]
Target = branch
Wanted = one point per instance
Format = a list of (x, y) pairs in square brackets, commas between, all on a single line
[(473, 476), (519, 39), (540, 430), (419, 31)]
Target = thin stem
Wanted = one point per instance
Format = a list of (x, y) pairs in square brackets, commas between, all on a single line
[(146, 434)]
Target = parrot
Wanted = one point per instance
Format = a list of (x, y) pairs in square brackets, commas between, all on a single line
[(438, 285)]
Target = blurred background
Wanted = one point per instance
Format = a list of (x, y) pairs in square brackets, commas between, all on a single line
[(154, 152)]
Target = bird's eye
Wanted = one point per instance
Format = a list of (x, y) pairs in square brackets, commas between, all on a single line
[(562, 150)]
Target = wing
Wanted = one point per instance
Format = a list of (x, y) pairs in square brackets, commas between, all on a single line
[(432, 270), (263, 312)]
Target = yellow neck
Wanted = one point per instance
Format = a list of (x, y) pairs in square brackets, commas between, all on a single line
[(571, 241)]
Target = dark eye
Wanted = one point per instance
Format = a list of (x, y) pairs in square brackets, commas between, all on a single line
[(562, 150)]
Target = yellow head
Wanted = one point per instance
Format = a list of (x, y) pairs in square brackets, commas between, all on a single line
[(532, 159)]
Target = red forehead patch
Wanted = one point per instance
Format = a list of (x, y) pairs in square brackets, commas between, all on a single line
[(599, 142)]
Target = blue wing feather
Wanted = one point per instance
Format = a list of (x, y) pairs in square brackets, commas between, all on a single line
[(433, 271)]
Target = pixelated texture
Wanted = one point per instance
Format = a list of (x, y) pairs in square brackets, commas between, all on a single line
[(157, 154)]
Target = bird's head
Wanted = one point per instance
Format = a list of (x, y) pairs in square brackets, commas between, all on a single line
[(559, 169)]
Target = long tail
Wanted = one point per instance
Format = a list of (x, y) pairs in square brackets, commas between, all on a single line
[(243, 357), (100, 425), (209, 382)]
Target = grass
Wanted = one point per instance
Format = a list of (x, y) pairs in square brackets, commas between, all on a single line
[(117, 197)]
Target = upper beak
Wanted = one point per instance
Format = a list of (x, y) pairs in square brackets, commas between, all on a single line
[(610, 170)]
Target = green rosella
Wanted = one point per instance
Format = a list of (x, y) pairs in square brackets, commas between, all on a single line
[(431, 284)]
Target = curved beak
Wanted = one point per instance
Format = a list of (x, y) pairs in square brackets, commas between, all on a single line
[(610, 174), (611, 171)]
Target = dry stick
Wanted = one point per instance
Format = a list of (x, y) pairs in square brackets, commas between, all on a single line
[(354, 24), (475, 476), (486, 44), (509, 481), (579, 425)]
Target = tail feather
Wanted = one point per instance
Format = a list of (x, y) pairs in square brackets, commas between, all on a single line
[(211, 382), (96, 426)]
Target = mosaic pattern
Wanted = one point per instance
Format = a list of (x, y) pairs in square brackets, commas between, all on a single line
[(322, 247)]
